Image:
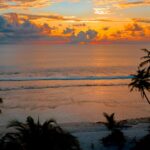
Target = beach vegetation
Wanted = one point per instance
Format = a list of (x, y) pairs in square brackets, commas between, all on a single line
[(141, 79), (33, 135)]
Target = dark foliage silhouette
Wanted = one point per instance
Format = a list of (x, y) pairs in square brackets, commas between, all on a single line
[(146, 62), (36, 136), (143, 144), (111, 123), (1, 101), (116, 137), (141, 80)]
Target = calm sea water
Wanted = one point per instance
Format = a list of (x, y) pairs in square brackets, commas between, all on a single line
[(71, 83)]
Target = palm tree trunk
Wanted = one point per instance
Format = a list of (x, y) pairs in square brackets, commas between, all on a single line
[(146, 97)]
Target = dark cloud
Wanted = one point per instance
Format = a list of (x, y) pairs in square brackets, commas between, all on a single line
[(47, 29), (84, 37), (91, 34), (68, 31), (13, 31)]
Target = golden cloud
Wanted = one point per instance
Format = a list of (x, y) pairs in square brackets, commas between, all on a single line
[(121, 3), (23, 4), (59, 18)]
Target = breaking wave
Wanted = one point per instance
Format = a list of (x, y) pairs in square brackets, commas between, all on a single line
[(58, 86), (66, 78)]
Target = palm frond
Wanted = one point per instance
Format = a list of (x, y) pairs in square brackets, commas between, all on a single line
[(146, 58), (146, 50), (16, 124), (141, 82), (30, 122), (144, 63), (110, 123), (48, 135)]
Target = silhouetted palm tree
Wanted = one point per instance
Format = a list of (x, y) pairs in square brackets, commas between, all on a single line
[(141, 82), (36, 136), (146, 60), (116, 137), (110, 123)]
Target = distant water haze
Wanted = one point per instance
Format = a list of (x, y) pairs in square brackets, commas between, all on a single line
[(71, 83)]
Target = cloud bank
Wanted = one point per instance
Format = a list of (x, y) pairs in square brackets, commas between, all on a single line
[(16, 30)]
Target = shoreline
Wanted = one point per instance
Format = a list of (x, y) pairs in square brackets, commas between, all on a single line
[(90, 134)]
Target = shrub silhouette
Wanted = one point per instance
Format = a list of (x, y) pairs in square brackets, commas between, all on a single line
[(37, 136), (143, 144), (116, 137)]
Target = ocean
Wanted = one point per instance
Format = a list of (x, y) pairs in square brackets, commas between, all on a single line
[(71, 83)]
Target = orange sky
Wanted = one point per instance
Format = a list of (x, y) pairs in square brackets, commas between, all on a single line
[(75, 21)]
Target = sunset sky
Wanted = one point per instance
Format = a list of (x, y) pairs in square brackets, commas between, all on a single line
[(74, 21)]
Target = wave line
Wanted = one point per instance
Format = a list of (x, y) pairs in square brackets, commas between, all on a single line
[(67, 78)]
